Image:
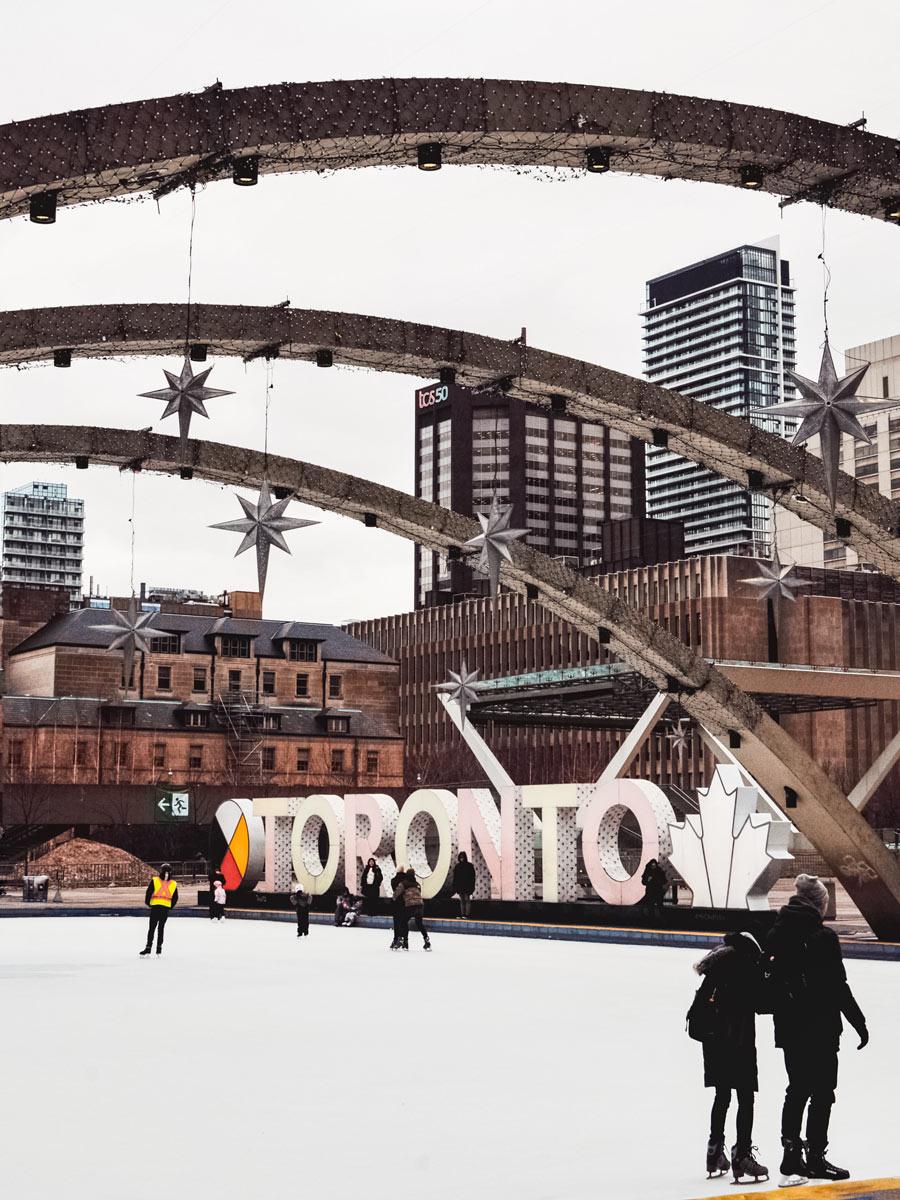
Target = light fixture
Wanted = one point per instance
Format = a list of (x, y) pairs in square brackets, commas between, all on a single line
[(198, 352), (282, 493), (81, 462), (42, 208), (892, 210), (661, 438), (734, 739), (603, 636), (447, 375), (843, 528), (751, 176), (429, 156), (370, 520), (597, 159), (246, 171), (558, 404), (187, 472), (790, 797), (755, 480), (62, 358), (324, 358)]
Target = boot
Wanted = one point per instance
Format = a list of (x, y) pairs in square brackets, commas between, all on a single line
[(716, 1159), (395, 944), (793, 1168), (818, 1167), (743, 1163), (404, 943), (146, 950), (427, 945)]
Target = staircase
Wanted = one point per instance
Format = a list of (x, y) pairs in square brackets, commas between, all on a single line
[(238, 717)]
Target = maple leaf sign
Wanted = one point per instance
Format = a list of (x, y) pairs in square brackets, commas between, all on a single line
[(729, 855)]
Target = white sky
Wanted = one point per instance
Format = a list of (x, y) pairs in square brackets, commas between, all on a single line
[(476, 249)]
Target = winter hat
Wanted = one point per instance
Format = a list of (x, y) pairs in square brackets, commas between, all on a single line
[(811, 889)]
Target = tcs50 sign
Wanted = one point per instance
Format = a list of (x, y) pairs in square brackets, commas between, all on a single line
[(428, 397)]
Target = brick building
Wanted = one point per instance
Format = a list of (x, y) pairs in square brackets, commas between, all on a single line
[(221, 705)]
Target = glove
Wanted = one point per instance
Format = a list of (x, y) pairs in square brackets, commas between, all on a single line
[(863, 1037)]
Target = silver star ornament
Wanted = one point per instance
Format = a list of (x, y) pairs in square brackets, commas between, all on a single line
[(775, 580), (829, 408), (494, 540), (463, 688), (131, 632), (185, 395), (263, 525), (680, 737)]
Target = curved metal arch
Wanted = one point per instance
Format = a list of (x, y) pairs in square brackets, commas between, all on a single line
[(121, 149), (824, 814), (699, 432)]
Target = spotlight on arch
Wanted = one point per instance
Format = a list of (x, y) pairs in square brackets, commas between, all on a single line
[(892, 210), (447, 375), (751, 176), (597, 159), (62, 358), (324, 358), (429, 156), (246, 171), (42, 208), (82, 462), (198, 352)]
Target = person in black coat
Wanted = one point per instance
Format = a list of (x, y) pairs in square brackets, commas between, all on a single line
[(398, 910), (732, 975), (464, 883), (655, 883), (809, 993), (371, 886)]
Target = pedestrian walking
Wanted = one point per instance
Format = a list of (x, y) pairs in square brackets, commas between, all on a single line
[(464, 883), (220, 899), (160, 897), (302, 901), (809, 992), (371, 886), (398, 908), (723, 1018), (655, 883), (410, 892)]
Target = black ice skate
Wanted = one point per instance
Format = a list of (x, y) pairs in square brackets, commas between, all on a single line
[(818, 1167), (793, 1168), (746, 1168), (146, 950), (427, 945), (716, 1160)]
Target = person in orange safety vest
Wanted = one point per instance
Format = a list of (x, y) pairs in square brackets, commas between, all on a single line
[(161, 897)]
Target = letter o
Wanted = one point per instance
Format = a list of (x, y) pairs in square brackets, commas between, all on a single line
[(312, 813), (601, 819), (441, 807)]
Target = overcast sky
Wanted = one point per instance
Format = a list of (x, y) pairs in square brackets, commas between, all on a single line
[(476, 249)]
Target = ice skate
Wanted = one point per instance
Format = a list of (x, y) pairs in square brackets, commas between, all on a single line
[(746, 1168), (818, 1167), (716, 1160), (146, 950), (427, 945), (793, 1168)]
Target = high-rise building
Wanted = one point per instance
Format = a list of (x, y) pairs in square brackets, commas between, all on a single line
[(721, 331), (564, 477), (42, 537)]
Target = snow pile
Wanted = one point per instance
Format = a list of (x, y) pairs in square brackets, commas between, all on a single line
[(81, 863)]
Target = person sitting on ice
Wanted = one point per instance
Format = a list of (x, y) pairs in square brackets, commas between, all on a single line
[(348, 907)]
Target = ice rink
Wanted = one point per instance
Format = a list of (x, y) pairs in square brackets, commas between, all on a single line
[(247, 1062)]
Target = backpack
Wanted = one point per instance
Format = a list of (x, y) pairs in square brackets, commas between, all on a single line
[(702, 1017)]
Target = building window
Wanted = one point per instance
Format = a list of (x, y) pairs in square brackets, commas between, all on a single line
[(199, 679), (234, 681), (334, 687), (338, 725), (885, 386), (120, 754), (337, 761), (268, 683), (196, 720), (302, 758), (121, 718), (16, 753), (159, 754), (164, 679), (270, 721), (267, 758), (303, 651), (372, 762), (235, 647), (195, 758), (302, 685), (81, 754), (170, 644)]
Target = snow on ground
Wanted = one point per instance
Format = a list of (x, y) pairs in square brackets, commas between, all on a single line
[(245, 1061)]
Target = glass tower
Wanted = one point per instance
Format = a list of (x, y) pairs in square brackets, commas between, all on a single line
[(43, 538), (721, 331)]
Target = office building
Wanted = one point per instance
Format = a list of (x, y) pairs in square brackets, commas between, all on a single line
[(720, 331), (42, 538)]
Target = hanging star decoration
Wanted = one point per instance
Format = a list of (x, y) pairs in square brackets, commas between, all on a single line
[(680, 737), (185, 395), (131, 633), (463, 688), (493, 541), (775, 579), (829, 408), (263, 525)]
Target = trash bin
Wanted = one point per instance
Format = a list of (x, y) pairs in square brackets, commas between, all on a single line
[(35, 887)]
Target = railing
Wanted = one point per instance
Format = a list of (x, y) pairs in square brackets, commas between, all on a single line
[(108, 874)]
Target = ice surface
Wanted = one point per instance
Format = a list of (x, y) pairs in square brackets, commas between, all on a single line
[(246, 1062)]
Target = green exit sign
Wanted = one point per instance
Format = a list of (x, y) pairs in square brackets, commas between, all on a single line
[(172, 806)]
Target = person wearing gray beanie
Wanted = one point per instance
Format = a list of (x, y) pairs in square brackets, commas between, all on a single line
[(809, 993)]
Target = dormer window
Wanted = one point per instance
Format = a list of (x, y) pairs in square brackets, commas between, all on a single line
[(235, 647), (338, 725), (169, 644), (303, 650)]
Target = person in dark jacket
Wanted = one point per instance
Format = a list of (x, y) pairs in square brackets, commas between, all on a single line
[(347, 908), (655, 883), (371, 886), (409, 891), (160, 897), (302, 901), (464, 883), (809, 993), (732, 974), (398, 909)]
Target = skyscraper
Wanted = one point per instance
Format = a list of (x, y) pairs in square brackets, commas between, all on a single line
[(721, 331), (563, 476), (42, 537)]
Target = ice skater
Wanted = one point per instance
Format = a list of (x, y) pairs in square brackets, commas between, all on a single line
[(655, 883), (809, 992), (161, 897), (212, 877), (723, 1017), (219, 900), (371, 886), (410, 892), (464, 883), (398, 908), (302, 901)]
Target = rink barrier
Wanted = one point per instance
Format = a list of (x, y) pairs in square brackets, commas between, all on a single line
[(863, 1189), (851, 947)]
